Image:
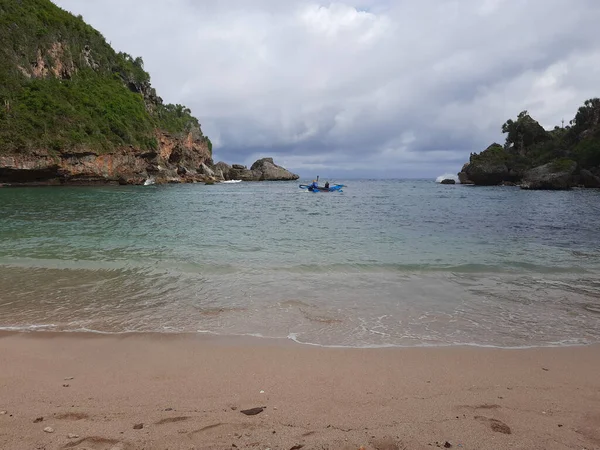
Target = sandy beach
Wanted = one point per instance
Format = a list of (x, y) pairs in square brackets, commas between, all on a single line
[(84, 391)]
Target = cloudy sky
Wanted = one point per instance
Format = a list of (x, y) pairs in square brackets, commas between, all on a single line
[(359, 88)]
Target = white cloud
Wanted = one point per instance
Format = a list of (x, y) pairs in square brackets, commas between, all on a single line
[(341, 85)]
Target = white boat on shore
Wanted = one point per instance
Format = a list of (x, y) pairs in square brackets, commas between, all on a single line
[(231, 181)]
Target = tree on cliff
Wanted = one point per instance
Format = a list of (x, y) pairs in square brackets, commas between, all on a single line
[(523, 133), (585, 133), (529, 149), (63, 88), (587, 117)]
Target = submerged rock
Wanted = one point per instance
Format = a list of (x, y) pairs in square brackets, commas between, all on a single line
[(448, 181)]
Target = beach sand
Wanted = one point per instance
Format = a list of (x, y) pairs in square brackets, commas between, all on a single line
[(189, 391)]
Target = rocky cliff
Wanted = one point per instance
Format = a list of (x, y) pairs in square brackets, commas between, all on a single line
[(125, 165), (74, 111), (534, 158), (262, 170)]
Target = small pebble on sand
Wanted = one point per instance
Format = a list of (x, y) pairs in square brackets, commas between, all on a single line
[(49, 430), (138, 426), (72, 436)]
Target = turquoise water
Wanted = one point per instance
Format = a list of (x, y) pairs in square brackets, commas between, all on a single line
[(385, 263)]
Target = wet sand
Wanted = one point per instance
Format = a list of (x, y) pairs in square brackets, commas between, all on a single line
[(188, 392)]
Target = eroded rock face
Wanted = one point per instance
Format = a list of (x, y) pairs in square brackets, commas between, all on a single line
[(62, 67), (489, 168), (463, 178), (222, 170), (239, 172), (487, 173), (589, 180), (177, 160), (269, 171), (262, 170), (551, 176)]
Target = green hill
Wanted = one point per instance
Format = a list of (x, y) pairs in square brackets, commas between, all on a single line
[(536, 158), (63, 89)]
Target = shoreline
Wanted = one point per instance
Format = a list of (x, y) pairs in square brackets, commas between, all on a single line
[(188, 391), (39, 332)]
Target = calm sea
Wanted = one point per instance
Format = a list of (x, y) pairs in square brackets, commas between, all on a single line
[(384, 263)]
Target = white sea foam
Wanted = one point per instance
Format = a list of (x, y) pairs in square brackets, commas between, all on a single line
[(33, 327), (446, 176)]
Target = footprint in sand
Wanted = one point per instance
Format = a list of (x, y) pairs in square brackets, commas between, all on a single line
[(171, 420), (98, 443), (590, 428), (72, 416), (482, 406), (496, 425), (212, 436), (388, 443)]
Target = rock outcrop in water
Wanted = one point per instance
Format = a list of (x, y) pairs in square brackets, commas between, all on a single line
[(74, 111), (262, 170), (490, 167), (557, 175), (534, 158)]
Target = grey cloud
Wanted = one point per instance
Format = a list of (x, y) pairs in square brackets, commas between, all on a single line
[(359, 87)]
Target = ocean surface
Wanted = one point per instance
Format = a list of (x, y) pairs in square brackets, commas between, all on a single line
[(383, 263)]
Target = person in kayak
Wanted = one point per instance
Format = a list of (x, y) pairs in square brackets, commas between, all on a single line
[(327, 185), (314, 184)]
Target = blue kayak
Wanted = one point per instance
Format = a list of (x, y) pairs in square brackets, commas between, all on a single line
[(334, 188)]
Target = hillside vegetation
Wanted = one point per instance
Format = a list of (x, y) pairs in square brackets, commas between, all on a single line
[(531, 152), (64, 89)]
